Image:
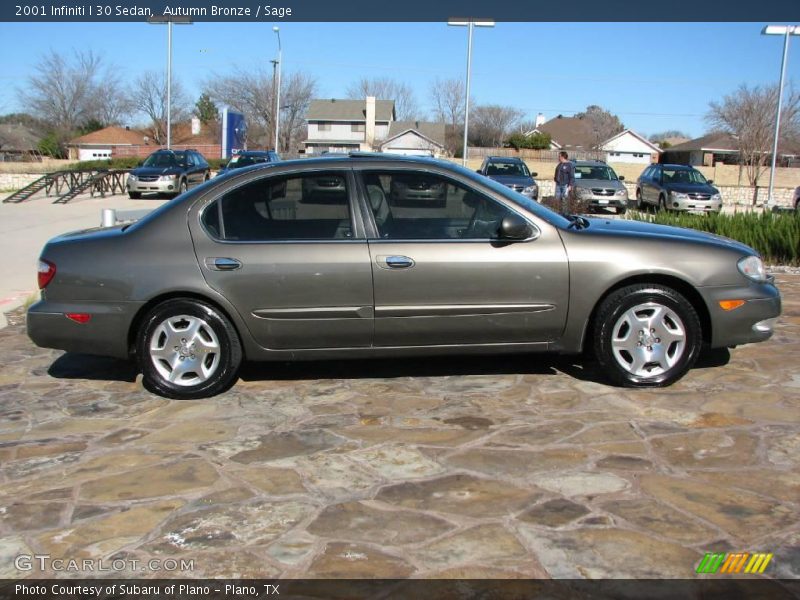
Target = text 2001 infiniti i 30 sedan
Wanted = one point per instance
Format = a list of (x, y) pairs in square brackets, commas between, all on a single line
[(318, 259)]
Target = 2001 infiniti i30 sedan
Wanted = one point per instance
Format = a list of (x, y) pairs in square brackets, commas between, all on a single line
[(318, 258)]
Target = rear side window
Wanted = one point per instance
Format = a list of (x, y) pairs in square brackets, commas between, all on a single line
[(308, 207)]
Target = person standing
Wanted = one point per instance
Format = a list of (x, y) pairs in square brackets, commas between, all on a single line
[(565, 180)]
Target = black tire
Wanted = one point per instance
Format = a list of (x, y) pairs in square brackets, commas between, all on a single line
[(640, 203), (208, 176), (662, 203), (661, 363), (216, 331), (183, 187), (134, 195), (621, 210)]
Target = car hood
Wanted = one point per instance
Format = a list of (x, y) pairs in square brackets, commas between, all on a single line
[(641, 229), (512, 179), (140, 171), (688, 188), (599, 183)]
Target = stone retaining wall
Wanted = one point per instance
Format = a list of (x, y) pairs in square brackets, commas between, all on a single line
[(15, 181)]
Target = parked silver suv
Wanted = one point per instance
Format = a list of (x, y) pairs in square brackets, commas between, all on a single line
[(598, 186)]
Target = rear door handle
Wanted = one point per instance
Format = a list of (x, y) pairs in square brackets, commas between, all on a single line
[(220, 263), (395, 262)]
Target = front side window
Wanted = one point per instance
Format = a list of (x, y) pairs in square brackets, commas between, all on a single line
[(307, 207), (409, 205)]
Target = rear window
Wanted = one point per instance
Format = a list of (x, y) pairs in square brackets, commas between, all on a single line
[(308, 207)]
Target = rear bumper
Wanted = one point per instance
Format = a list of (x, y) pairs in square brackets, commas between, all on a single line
[(751, 322), (106, 334)]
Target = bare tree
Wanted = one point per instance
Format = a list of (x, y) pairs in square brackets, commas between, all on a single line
[(447, 97), (490, 124), (253, 94), (749, 115), (383, 88), (68, 92), (603, 124), (149, 96)]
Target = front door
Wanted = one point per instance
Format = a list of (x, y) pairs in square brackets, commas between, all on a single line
[(442, 278), (282, 249)]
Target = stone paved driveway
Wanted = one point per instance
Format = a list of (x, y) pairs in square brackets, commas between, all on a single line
[(479, 467)]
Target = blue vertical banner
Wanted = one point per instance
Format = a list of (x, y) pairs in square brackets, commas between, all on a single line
[(234, 132)]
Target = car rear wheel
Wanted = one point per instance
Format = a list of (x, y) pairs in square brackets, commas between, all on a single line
[(188, 349), (134, 195), (662, 202), (646, 336), (183, 187)]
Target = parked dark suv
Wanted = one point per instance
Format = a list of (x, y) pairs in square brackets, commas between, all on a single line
[(511, 172), (677, 187), (168, 172), (249, 157)]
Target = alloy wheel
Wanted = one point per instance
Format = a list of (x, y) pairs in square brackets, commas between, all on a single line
[(185, 350)]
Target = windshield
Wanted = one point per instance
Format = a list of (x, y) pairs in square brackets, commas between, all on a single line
[(513, 169), (246, 160), (531, 206), (161, 159), (594, 172), (690, 176)]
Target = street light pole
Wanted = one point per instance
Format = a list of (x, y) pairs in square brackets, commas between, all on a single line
[(169, 20), (277, 31), (470, 24), (785, 31)]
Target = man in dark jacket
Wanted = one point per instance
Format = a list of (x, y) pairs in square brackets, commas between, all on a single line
[(565, 180)]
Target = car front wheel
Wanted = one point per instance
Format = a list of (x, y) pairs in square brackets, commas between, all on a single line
[(188, 349), (646, 336), (134, 195), (640, 204)]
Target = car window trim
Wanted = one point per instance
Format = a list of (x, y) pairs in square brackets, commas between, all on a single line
[(370, 218), (356, 223)]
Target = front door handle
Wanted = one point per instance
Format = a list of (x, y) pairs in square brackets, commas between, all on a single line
[(220, 263), (395, 262)]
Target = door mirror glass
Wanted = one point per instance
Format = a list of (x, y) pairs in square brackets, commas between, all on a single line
[(621, 177), (479, 171), (514, 227), (709, 181), (534, 174)]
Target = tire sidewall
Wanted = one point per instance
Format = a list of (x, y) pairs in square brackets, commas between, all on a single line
[(627, 298), (230, 350)]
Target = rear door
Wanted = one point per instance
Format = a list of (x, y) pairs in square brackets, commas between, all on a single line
[(442, 278), (286, 250)]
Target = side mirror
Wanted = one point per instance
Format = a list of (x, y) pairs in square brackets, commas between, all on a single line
[(515, 228), (534, 174), (140, 163), (621, 177), (709, 181), (479, 171)]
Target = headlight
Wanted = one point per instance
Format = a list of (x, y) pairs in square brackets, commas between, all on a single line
[(622, 192), (678, 195), (167, 178), (716, 197), (131, 177), (529, 191), (752, 267)]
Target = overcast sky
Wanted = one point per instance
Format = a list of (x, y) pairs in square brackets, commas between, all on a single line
[(654, 76)]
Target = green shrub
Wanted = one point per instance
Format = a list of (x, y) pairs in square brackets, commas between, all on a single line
[(535, 141), (776, 237), (127, 162), (217, 163)]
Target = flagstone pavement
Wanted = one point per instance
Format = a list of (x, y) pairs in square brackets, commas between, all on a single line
[(480, 467)]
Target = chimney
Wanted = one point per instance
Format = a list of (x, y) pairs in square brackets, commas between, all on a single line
[(369, 128), (539, 119)]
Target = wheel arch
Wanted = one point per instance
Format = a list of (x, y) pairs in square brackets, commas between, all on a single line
[(679, 285), (173, 295)]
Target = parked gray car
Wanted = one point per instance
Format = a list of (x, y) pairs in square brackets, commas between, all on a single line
[(598, 186), (511, 172), (254, 265), (677, 187)]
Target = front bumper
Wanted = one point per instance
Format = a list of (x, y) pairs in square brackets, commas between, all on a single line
[(170, 186), (693, 205), (751, 322), (106, 334)]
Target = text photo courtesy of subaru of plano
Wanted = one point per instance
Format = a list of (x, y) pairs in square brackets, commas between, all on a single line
[(598, 186), (368, 255), (168, 172), (676, 187), (511, 172)]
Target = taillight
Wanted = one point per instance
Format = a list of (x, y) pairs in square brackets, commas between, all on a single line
[(47, 271)]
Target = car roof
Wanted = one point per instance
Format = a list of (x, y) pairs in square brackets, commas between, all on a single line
[(678, 167), (598, 163), (508, 159), (254, 153)]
